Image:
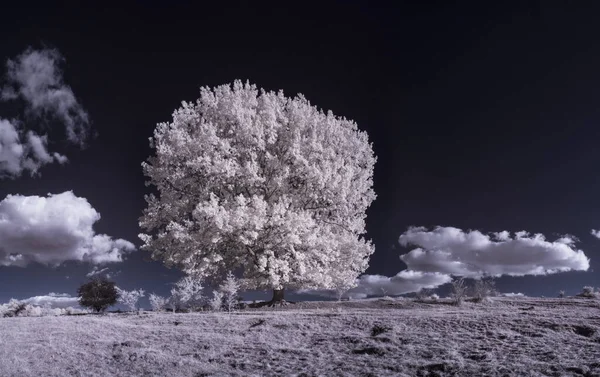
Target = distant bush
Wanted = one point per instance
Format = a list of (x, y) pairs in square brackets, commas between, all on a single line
[(130, 298), (483, 289), (588, 292), (157, 303), (98, 294), (13, 308), (186, 295), (459, 291), (230, 289), (561, 294), (216, 302), (423, 294), (16, 308)]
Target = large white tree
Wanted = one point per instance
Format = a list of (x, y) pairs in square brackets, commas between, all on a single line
[(255, 181)]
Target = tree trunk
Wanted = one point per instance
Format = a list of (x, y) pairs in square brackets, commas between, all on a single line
[(278, 295), (277, 300)]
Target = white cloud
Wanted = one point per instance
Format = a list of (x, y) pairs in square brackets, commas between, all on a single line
[(404, 282), (20, 152), (512, 294), (54, 229), (595, 233), (35, 77), (96, 271), (55, 300), (449, 250), (378, 285)]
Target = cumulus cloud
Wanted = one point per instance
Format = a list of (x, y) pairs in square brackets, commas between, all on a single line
[(21, 151), (378, 285), (595, 233), (452, 251), (54, 229), (54, 300), (35, 77)]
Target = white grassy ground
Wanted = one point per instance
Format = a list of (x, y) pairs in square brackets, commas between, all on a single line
[(507, 337)]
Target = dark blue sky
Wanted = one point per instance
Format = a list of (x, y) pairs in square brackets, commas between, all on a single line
[(482, 116)]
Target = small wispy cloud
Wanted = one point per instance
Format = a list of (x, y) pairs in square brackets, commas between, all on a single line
[(96, 271), (35, 77), (21, 151), (452, 251), (54, 229)]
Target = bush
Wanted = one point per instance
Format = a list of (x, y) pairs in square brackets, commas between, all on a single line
[(483, 289), (13, 308), (588, 292), (187, 294), (98, 294), (216, 302), (130, 298), (230, 289), (158, 303), (459, 291), (423, 294)]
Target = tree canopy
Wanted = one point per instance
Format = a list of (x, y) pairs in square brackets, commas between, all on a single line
[(255, 181)]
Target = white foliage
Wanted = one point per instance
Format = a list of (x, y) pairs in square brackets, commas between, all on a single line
[(216, 301), (157, 303), (254, 179), (23, 309), (459, 291), (187, 294), (130, 298), (230, 289)]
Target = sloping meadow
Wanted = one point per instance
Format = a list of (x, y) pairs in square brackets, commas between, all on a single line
[(504, 337)]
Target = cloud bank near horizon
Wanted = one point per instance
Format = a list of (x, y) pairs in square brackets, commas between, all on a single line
[(472, 254), (54, 300), (52, 230), (446, 252)]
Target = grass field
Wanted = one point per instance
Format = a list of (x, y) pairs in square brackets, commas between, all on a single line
[(387, 337)]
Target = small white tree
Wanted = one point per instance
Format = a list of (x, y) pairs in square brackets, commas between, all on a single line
[(130, 298), (216, 302), (157, 303), (230, 289), (459, 291), (187, 294), (253, 179)]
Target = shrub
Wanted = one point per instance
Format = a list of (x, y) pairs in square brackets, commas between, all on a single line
[(13, 308), (229, 289), (98, 294), (130, 298), (187, 294), (158, 303), (588, 292), (216, 302), (459, 291), (423, 294), (483, 289)]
